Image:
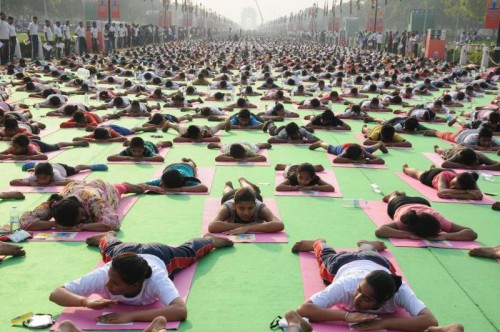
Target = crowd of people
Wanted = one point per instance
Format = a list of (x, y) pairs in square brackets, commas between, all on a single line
[(214, 81)]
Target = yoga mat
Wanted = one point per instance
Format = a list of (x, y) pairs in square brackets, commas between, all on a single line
[(263, 152), (49, 155), (212, 206), (312, 284), (47, 131), (306, 122), (161, 152), (327, 175), (85, 318), (204, 174), (361, 138), (431, 193), (54, 236), (46, 189), (376, 211), (352, 165), (438, 160), (291, 143)]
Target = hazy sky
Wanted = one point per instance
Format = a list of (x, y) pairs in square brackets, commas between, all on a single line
[(271, 9)]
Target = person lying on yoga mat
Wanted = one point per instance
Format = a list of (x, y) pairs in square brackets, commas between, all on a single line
[(157, 325), (326, 120), (302, 177), (81, 206), (140, 150), (47, 174), (241, 103), (449, 184), (276, 95), (374, 105), (277, 112), (478, 139), (159, 120), (355, 113), (111, 133), (414, 218), (464, 157), (196, 134), (11, 128), (242, 211), (83, 119), (311, 104), (333, 97), (240, 151), (405, 125), (291, 133), (245, 120), (363, 284), (178, 177), (385, 133), (352, 153), (136, 274), (138, 109), (491, 122), (22, 148)]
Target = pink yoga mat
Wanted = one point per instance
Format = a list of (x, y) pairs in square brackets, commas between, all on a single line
[(212, 205), (331, 157), (124, 207), (47, 189), (361, 138), (48, 131), (264, 153), (161, 152), (204, 174), (327, 175), (438, 160), (431, 193), (376, 211), (312, 284), (85, 319)]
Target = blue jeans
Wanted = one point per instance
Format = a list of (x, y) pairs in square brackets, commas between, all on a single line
[(34, 46)]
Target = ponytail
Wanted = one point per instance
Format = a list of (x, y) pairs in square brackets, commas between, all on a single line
[(384, 284)]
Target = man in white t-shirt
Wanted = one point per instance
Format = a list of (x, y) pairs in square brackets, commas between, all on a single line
[(94, 34), (82, 42), (12, 38), (49, 40), (362, 285), (112, 36), (59, 39), (136, 274), (33, 36), (67, 37), (379, 41), (4, 38)]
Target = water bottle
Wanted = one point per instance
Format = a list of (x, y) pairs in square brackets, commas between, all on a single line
[(115, 110), (233, 94), (208, 88), (353, 202), (14, 219), (292, 94), (86, 99), (375, 188), (37, 106)]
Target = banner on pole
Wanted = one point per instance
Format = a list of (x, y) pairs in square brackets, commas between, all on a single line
[(492, 15), (102, 8), (115, 8)]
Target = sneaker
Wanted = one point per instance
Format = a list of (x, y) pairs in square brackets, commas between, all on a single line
[(29, 165), (99, 167)]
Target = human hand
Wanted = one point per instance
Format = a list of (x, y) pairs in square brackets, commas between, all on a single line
[(99, 303), (369, 325), (237, 231), (116, 318), (358, 317)]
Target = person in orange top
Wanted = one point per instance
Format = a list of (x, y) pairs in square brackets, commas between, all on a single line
[(82, 119)]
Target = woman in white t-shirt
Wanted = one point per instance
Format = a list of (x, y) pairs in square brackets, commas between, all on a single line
[(362, 285)]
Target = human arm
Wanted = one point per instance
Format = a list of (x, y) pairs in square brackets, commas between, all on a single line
[(422, 321), (66, 298), (317, 313), (391, 230)]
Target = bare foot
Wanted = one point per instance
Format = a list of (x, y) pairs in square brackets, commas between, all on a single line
[(10, 249), (449, 328), (81, 143), (488, 252), (165, 144), (452, 121), (227, 127), (95, 239), (158, 324), (377, 245), (220, 242), (264, 146), (12, 195), (405, 166), (229, 184), (293, 318), (68, 326), (382, 147), (134, 188), (213, 145), (305, 245), (255, 187)]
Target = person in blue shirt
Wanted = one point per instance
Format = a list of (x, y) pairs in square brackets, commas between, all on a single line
[(245, 120), (177, 177)]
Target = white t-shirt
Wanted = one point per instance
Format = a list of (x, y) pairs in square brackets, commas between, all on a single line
[(367, 104), (12, 31), (59, 174), (341, 291), (4, 29), (126, 103), (48, 31), (94, 32), (80, 31), (33, 28), (66, 32), (57, 32), (62, 99), (157, 287)]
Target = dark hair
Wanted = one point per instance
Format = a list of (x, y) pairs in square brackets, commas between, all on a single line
[(327, 115), (190, 89), (219, 96), (353, 151), (66, 211), (136, 142), (467, 181), (485, 132), (244, 114), (307, 168), (244, 195), (193, 131), (118, 101), (22, 140), (156, 80), (132, 268), (315, 103), (10, 123), (241, 102), (494, 117), (174, 179), (396, 100), (156, 119), (44, 169), (101, 133), (383, 284), (237, 151), (423, 225), (69, 109), (468, 156), (411, 124), (79, 116), (387, 131), (292, 129), (374, 101)]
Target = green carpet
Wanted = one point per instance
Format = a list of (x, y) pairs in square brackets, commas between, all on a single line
[(245, 287)]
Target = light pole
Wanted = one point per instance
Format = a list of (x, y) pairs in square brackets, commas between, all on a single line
[(376, 14)]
